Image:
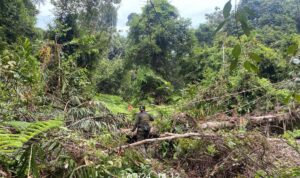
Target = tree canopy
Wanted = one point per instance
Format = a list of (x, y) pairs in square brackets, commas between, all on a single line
[(159, 38)]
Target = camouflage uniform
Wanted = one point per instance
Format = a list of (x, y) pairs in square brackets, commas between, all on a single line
[(142, 125)]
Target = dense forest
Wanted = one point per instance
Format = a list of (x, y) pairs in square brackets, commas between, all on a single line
[(225, 97)]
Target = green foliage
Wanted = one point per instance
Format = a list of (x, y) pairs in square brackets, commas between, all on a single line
[(290, 172), (20, 78), (145, 86), (131, 162), (242, 18), (89, 49), (27, 164), (103, 113), (108, 76), (160, 65), (61, 73), (74, 82), (291, 137), (17, 19), (188, 147), (233, 25), (18, 125), (89, 15), (164, 124), (255, 57), (85, 29), (250, 67), (159, 38), (211, 149), (293, 49), (297, 97), (205, 61), (236, 52), (18, 63), (280, 15), (114, 104), (205, 34), (12, 142), (227, 9)]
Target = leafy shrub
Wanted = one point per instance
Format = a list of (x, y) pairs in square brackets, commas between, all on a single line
[(20, 78)]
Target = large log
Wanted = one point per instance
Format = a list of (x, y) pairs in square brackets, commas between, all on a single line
[(217, 125), (268, 118), (243, 121)]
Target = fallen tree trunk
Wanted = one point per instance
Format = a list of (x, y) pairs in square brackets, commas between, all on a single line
[(244, 121), (217, 125), (268, 118)]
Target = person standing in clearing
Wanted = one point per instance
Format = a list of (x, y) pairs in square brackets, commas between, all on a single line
[(142, 124)]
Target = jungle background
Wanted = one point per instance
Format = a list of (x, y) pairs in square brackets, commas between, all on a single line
[(225, 96)]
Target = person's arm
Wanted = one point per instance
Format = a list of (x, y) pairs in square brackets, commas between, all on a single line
[(137, 120)]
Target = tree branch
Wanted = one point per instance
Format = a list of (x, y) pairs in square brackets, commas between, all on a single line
[(166, 136)]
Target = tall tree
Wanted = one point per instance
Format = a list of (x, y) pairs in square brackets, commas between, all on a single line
[(17, 18), (159, 37), (85, 27), (89, 15), (99, 14)]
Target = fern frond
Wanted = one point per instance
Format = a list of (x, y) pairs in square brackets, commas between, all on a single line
[(18, 125), (10, 143)]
